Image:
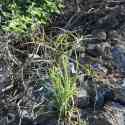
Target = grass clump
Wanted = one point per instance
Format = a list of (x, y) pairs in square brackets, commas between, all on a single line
[(64, 90)]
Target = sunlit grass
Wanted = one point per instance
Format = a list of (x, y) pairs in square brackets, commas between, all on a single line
[(64, 89)]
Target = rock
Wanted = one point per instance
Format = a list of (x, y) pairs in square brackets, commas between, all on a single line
[(99, 121), (82, 98), (4, 75), (122, 30), (90, 85), (115, 37), (3, 121), (34, 56), (26, 121), (116, 115), (46, 120), (95, 51), (118, 55), (108, 22), (107, 51), (11, 117), (123, 84), (94, 118), (91, 46), (100, 35), (119, 94), (72, 68), (103, 95)]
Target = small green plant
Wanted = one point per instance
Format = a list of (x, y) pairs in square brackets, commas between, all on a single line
[(89, 70), (64, 90), (65, 43), (22, 16)]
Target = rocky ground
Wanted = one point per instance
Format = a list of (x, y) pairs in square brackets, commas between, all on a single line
[(101, 99)]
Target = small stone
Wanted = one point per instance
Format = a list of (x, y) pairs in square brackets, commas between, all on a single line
[(95, 51), (118, 55), (119, 94), (47, 119), (102, 35), (118, 112), (99, 121), (114, 35), (123, 85), (103, 95), (34, 56), (72, 68), (91, 46), (82, 98), (108, 22)]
